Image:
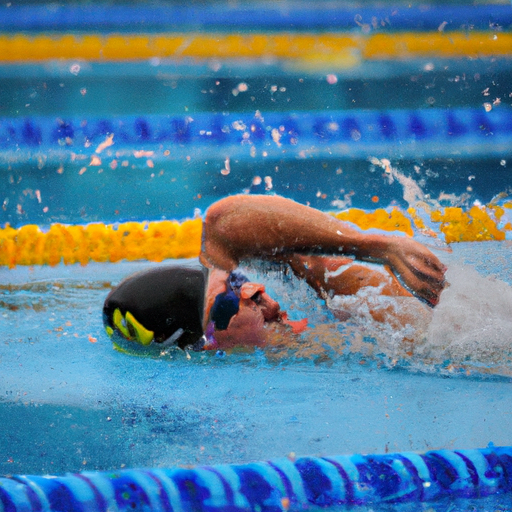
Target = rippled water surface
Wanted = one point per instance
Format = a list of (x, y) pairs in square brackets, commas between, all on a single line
[(68, 398)]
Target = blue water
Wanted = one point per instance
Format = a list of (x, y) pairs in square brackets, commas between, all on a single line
[(426, 117), (69, 402), (68, 397)]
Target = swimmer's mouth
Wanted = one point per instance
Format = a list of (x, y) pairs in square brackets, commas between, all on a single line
[(297, 326)]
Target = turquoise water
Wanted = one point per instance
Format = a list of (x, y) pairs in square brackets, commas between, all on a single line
[(68, 398), (425, 116), (69, 402)]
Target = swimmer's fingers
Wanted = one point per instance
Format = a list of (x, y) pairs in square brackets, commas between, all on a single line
[(418, 268), (427, 268), (426, 289), (423, 286)]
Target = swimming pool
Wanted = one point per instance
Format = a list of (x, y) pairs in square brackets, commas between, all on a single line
[(324, 106)]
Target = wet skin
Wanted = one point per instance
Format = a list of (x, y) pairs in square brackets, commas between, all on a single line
[(318, 248), (247, 327), (273, 227)]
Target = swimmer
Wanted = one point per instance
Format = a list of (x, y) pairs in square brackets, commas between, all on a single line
[(217, 307)]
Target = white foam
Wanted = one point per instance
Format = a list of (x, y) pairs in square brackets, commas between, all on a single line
[(397, 325), (470, 328), (473, 321)]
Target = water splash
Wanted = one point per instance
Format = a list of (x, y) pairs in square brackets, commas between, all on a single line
[(472, 325), (469, 332)]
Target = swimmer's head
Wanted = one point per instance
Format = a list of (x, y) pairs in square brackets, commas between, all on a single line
[(158, 305), (165, 305)]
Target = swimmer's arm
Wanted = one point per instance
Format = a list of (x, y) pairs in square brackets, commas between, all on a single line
[(246, 226), (339, 275)]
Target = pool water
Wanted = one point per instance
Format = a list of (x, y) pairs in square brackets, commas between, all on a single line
[(68, 397), (171, 143), (107, 140)]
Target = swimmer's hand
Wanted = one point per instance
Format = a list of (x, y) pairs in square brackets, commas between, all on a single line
[(416, 267)]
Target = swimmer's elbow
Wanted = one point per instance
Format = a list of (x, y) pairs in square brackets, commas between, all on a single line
[(219, 221), (221, 213)]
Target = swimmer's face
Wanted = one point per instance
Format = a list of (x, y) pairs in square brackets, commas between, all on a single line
[(247, 327)]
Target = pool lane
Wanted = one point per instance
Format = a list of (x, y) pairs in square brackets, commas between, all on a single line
[(333, 48)]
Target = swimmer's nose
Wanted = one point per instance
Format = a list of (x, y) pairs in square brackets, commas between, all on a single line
[(269, 307)]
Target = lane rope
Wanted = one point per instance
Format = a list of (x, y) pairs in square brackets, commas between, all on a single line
[(293, 16), (286, 484), (294, 131), (161, 240), (330, 48)]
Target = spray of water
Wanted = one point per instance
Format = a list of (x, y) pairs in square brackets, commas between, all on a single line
[(470, 330)]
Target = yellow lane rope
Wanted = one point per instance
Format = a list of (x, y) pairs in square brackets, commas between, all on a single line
[(479, 224), (153, 241), (295, 46), (160, 240)]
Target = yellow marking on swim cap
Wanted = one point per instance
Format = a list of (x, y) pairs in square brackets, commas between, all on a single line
[(118, 320), (142, 335), (109, 330)]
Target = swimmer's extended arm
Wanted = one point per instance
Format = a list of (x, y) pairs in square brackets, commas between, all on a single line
[(271, 226)]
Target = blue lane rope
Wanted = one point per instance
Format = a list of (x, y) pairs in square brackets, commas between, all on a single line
[(290, 133), (280, 484), (251, 16)]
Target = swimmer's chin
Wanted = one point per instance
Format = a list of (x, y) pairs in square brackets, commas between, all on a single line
[(249, 337), (244, 330)]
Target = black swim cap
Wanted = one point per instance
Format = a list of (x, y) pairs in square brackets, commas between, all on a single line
[(159, 303)]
